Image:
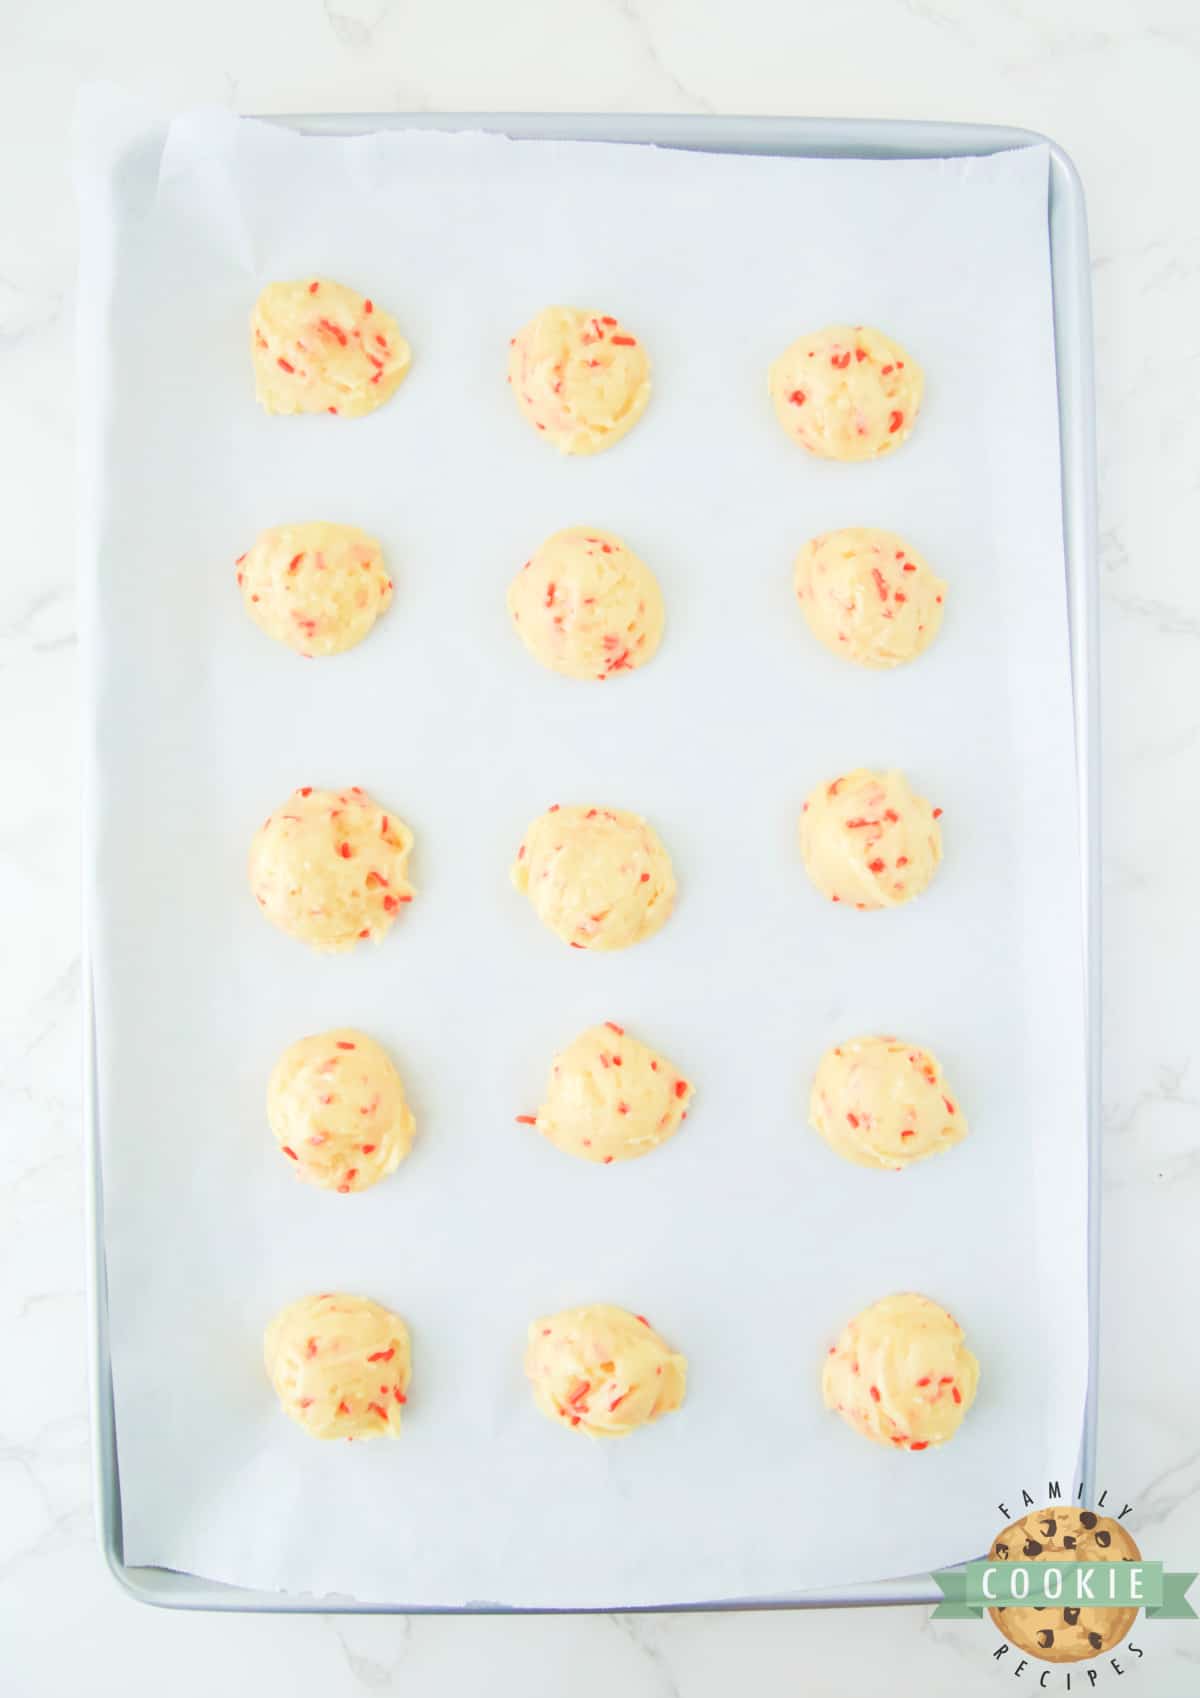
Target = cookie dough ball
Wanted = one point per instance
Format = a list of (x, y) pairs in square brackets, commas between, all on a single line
[(1064, 1534), (598, 877), (317, 588), (602, 1370), (868, 841), (336, 1106), (579, 377), (868, 596), (329, 867), (610, 1098), (340, 1366), (586, 606), (900, 1373), (847, 392), (319, 347), (883, 1103)]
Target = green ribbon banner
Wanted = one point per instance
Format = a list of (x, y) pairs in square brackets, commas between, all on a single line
[(968, 1591)]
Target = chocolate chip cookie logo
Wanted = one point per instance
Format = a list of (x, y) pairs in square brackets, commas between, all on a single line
[(1064, 1585)]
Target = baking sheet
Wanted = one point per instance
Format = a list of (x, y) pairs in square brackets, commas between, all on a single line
[(746, 1241)]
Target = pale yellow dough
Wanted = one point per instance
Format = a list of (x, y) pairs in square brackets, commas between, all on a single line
[(900, 1373), (610, 1098), (318, 347), (883, 1103), (847, 392), (580, 378), (868, 841), (329, 867), (315, 587), (602, 1370), (868, 596), (586, 606), (336, 1106), (598, 877), (340, 1366)]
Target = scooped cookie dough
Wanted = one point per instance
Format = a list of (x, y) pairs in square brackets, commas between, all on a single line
[(329, 867), (598, 877), (900, 1373), (602, 1370), (847, 392), (579, 377), (610, 1098), (1064, 1534), (319, 347), (586, 606), (868, 841), (315, 587), (882, 1103), (340, 1366), (868, 596), (336, 1106)]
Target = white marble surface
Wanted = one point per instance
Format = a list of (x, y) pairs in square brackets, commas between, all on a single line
[(1115, 81)]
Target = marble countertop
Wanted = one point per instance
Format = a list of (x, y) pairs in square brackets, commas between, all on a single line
[(1114, 81)]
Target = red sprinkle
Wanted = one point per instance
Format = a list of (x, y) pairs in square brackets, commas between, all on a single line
[(399, 1395), (920, 1444), (875, 866), (937, 813), (283, 365), (643, 1320), (288, 1151), (853, 1119), (342, 1044), (645, 879), (368, 306), (313, 287), (345, 851), (875, 1393), (924, 1380), (895, 420), (957, 1395), (383, 1355), (624, 341), (879, 583), (841, 361), (797, 397), (368, 1149), (613, 1027), (526, 1120), (681, 1087), (343, 1408), (378, 1409), (294, 562)]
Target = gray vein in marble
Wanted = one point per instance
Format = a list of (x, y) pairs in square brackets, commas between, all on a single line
[(643, 1632), (1166, 618), (640, 27), (354, 31)]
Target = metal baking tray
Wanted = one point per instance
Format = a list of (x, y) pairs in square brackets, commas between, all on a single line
[(1067, 233)]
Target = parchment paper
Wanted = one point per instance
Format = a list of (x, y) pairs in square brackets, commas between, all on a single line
[(745, 1240)]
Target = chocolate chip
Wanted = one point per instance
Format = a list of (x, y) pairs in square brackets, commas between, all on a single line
[(1049, 1528), (1070, 1617), (1088, 1519), (1103, 1539), (1069, 1542), (1046, 1638), (1001, 1550), (1031, 1548), (1095, 1641)]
